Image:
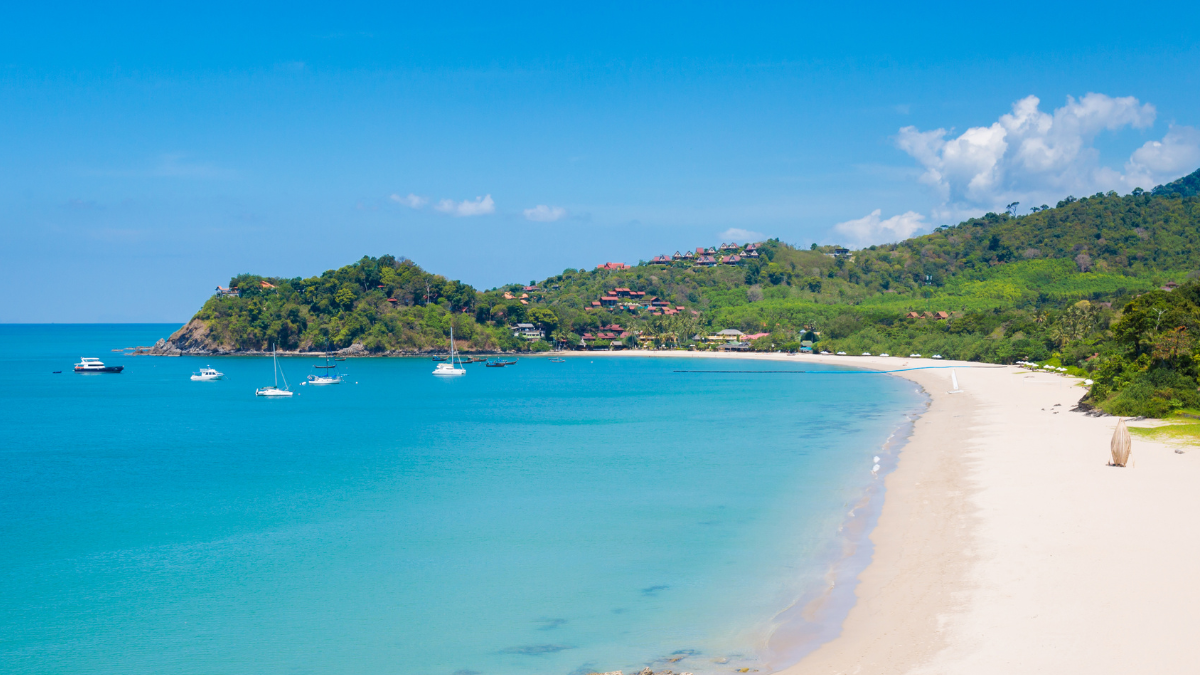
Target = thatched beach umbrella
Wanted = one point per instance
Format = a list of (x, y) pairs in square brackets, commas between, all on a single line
[(1120, 445)]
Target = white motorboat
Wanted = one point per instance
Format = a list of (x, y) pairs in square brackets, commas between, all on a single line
[(90, 365), (275, 391), (453, 365), (207, 374)]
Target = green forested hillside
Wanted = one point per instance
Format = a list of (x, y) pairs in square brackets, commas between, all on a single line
[(1056, 284)]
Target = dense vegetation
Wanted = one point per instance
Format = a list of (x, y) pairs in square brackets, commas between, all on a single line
[(1074, 284)]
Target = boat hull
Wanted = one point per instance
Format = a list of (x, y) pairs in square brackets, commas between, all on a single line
[(271, 392), (105, 369)]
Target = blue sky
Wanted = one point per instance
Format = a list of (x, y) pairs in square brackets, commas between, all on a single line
[(149, 153)]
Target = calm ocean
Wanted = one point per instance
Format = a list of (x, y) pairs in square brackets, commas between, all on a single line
[(544, 518)]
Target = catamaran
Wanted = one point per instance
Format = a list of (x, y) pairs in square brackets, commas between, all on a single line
[(326, 374), (275, 391), (454, 365), (207, 374)]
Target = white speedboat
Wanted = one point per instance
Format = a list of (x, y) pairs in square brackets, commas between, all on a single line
[(452, 366), (274, 391), (90, 365), (207, 374)]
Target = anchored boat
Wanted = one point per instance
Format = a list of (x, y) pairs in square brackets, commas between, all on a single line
[(90, 365), (274, 391), (326, 374), (453, 367), (207, 374)]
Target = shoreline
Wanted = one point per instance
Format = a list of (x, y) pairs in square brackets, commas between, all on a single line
[(819, 618), (1006, 544)]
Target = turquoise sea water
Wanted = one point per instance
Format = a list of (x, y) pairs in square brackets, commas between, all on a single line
[(601, 513)]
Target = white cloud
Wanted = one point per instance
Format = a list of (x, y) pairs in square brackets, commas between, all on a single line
[(480, 206), (738, 234), (411, 201), (1157, 162), (1031, 156), (545, 214), (871, 229)]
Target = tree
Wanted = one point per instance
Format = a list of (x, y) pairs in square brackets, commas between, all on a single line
[(345, 296), (544, 318), (1172, 345)]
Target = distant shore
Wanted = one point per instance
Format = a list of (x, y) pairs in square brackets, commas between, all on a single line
[(1007, 545)]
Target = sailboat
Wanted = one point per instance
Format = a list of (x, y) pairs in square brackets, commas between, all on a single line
[(328, 374), (454, 365), (275, 391)]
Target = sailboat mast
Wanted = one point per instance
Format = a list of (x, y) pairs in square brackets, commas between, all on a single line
[(274, 366)]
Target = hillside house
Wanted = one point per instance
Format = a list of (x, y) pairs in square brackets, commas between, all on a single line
[(223, 292), (706, 261), (528, 331), (677, 256), (612, 266), (609, 300)]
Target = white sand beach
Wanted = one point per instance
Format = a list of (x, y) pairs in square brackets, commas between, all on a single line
[(1007, 545)]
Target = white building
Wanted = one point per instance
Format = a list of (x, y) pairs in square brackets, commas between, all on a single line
[(529, 332)]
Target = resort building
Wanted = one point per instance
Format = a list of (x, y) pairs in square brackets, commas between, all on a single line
[(529, 332)]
